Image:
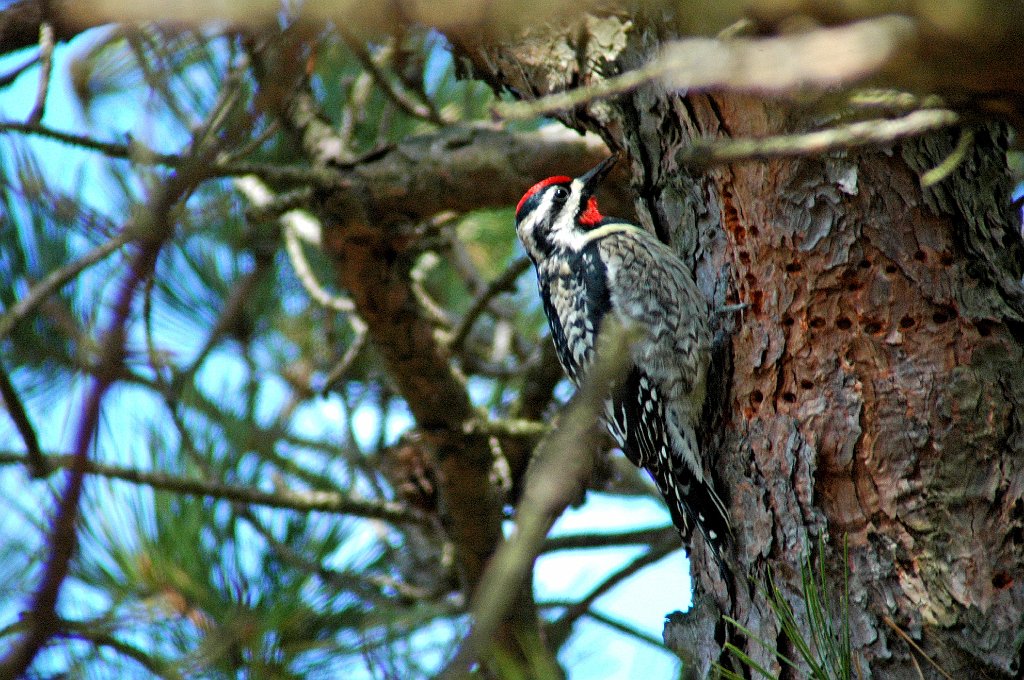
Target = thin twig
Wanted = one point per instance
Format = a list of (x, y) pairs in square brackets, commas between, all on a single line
[(345, 581), (42, 618), (16, 409), (227, 320), (53, 281), (350, 355), (563, 464), (138, 40), (504, 283), (288, 499), (570, 99), (12, 75), (256, 143), (604, 540), (424, 110), (304, 271), (280, 204), (863, 133), (229, 96), (914, 646), (507, 427), (134, 150), (295, 223), (139, 153), (950, 163), (46, 43), (618, 625), (98, 634), (559, 629), (417, 277), (626, 629)]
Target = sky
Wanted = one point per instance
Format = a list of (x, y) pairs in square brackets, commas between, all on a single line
[(595, 652)]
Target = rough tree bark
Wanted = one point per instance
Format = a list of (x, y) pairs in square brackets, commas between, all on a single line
[(876, 388)]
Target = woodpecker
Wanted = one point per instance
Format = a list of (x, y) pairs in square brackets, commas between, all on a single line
[(588, 266)]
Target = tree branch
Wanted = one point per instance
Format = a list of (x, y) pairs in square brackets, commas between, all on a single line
[(418, 178), (784, 65), (503, 284), (288, 499), (564, 463), (506, 427), (42, 619), (58, 278), (559, 629), (652, 536), (16, 409), (45, 68), (620, 626), (424, 110), (863, 133), (97, 633)]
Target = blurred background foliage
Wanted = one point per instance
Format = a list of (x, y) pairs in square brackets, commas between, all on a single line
[(228, 358)]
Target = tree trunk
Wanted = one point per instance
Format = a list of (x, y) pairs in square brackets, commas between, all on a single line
[(876, 383)]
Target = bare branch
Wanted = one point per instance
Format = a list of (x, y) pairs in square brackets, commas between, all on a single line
[(295, 223), (652, 536), (947, 166), (559, 629), (626, 629), (424, 110), (16, 409), (142, 44), (506, 427), (133, 150), (229, 315), (349, 357), (98, 633), (880, 131), (821, 58), (42, 619), (916, 647), (564, 462), (288, 499), (620, 626), (777, 66), (12, 75), (57, 278), (434, 169), (504, 283), (45, 69)]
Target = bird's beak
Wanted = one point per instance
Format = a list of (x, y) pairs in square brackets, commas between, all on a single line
[(592, 178)]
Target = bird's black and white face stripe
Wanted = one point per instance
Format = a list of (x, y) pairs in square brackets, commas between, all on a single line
[(559, 213), (546, 218)]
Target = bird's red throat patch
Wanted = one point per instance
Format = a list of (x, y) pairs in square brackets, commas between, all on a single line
[(558, 179), (591, 216)]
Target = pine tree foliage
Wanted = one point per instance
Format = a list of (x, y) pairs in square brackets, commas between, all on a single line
[(229, 383), (275, 374)]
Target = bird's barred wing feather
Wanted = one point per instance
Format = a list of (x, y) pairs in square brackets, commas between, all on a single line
[(636, 418), (654, 413)]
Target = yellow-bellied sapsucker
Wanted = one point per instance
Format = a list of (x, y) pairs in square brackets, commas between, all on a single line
[(588, 266)]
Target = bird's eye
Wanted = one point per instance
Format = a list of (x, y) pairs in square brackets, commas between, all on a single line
[(561, 193)]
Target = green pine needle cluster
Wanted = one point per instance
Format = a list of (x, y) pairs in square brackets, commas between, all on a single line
[(824, 654)]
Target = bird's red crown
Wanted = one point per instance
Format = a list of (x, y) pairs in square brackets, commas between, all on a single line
[(558, 179)]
